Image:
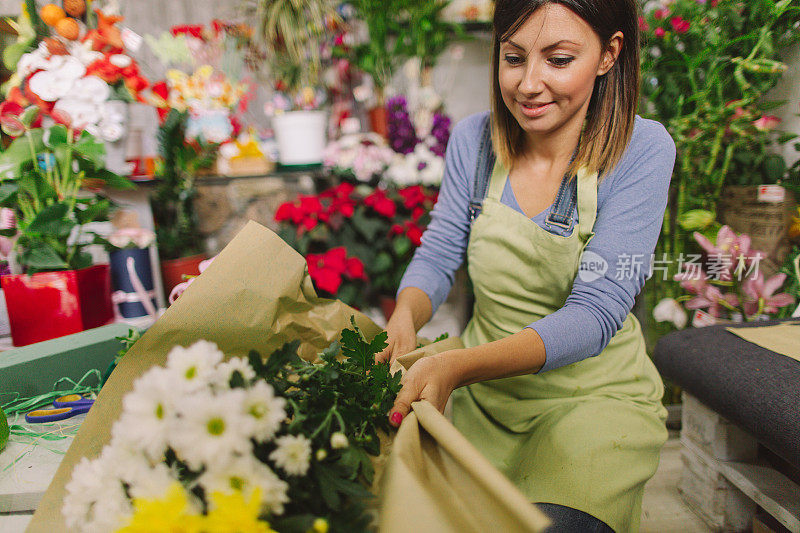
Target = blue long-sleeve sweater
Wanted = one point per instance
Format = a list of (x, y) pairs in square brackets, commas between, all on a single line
[(631, 199)]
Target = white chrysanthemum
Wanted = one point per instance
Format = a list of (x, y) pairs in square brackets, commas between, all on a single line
[(95, 501), (225, 371), (149, 414), (244, 474), (194, 366), (293, 454), (266, 410), (212, 429), (339, 440)]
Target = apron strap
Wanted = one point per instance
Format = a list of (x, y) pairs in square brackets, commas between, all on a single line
[(483, 170), (587, 202)]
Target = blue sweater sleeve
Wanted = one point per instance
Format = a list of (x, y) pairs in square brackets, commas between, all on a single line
[(445, 240), (631, 203)]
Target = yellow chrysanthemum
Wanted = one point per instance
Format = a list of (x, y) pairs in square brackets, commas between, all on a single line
[(231, 513), (171, 513)]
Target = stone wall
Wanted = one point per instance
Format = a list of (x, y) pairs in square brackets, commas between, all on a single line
[(225, 205)]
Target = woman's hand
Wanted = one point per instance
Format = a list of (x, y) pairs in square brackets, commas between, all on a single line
[(402, 336), (430, 379)]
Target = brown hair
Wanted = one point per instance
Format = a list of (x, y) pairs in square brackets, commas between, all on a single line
[(612, 107)]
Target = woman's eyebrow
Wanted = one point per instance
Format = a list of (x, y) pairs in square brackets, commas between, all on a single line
[(546, 48)]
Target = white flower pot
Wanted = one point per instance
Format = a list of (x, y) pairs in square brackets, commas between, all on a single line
[(300, 136)]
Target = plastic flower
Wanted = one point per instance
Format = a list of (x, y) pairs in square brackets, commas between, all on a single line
[(212, 429), (760, 297), (293, 454)]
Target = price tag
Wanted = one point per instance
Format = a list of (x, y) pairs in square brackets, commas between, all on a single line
[(771, 193), (701, 319), (131, 39)]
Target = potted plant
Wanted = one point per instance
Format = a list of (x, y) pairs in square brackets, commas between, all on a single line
[(132, 280), (198, 111), (52, 178), (378, 227), (292, 33)]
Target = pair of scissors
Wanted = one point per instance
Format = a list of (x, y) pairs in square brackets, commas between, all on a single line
[(63, 408)]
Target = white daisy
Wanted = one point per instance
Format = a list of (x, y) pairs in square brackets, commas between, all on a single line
[(225, 371), (266, 410), (244, 474), (149, 414), (212, 429), (194, 366), (293, 454), (95, 500)]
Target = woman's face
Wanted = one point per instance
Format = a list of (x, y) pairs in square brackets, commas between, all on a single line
[(547, 69)]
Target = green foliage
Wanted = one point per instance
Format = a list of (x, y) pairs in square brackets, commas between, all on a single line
[(344, 392), (50, 177), (291, 33), (705, 80), (177, 228)]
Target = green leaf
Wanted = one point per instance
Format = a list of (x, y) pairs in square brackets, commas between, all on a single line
[(92, 212), (8, 232), (382, 263), (91, 150), (55, 137), (42, 258), (8, 194), (401, 245), (18, 154), (285, 355), (114, 181), (52, 221)]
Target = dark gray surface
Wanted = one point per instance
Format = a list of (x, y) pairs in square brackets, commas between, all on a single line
[(754, 388)]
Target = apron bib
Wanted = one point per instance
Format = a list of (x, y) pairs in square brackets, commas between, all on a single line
[(587, 435)]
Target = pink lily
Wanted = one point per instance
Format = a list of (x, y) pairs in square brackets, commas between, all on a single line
[(759, 294), (692, 282), (730, 246), (712, 298)]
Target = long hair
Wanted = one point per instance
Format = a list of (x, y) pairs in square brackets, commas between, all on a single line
[(612, 107)]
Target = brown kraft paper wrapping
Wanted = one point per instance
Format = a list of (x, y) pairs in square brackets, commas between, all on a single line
[(257, 295)]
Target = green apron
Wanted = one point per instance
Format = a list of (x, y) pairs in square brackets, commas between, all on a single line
[(587, 435)]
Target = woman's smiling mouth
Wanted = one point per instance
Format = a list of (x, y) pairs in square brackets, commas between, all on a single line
[(533, 109)]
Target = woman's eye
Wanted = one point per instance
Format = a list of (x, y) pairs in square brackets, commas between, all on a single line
[(561, 61), (512, 59)]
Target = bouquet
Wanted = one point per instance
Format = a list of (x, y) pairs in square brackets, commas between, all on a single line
[(245, 444), (73, 71)]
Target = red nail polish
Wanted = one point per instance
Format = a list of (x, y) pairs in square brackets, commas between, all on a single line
[(396, 418)]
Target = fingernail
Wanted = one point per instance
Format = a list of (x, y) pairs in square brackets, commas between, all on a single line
[(396, 419)]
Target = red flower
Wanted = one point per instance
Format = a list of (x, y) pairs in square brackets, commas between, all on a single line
[(161, 90), (412, 196), (660, 32), (355, 268), (194, 30), (661, 14), (414, 233), (417, 213), (12, 109), (310, 205), (328, 280), (105, 70), (136, 84), (382, 205), (308, 224), (336, 259), (643, 25), (285, 212), (680, 25), (397, 229)]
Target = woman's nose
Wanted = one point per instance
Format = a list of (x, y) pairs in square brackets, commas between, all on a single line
[(532, 80)]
